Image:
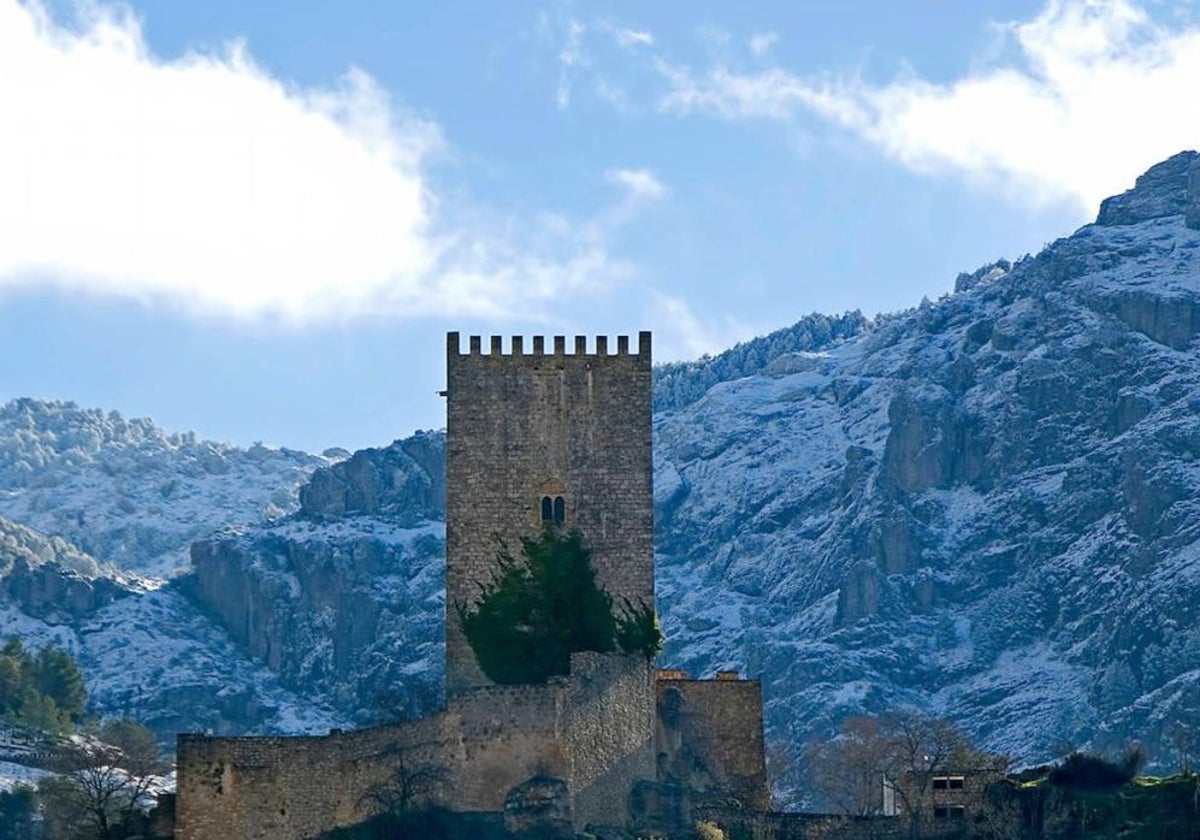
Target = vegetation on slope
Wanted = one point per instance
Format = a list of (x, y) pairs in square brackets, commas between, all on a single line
[(43, 690)]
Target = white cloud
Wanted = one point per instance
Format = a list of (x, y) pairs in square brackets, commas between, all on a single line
[(641, 184), (614, 95), (569, 57), (681, 334), (1089, 94), (629, 38), (205, 182), (761, 43)]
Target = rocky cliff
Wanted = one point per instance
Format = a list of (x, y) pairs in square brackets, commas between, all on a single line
[(984, 506), (136, 496), (347, 612)]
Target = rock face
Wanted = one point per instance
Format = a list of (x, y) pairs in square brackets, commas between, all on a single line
[(50, 591), (144, 650), (344, 600), (1164, 190), (986, 506), (405, 482), (49, 578)]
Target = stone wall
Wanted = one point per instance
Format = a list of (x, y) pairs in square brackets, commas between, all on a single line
[(610, 733), (519, 423), (710, 737), (293, 787), (508, 734), (593, 729)]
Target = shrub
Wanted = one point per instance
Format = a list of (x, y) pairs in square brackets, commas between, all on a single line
[(1089, 772), (539, 609), (638, 631)]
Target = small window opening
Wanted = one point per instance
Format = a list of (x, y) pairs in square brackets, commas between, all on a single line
[(560, 510), (547, 509), (943, 812)]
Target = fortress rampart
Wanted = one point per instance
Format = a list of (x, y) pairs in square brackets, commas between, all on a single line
[(710, 736), (591, 729)]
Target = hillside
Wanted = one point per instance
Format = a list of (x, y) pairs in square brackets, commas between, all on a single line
[(128, 492), (984, 506)]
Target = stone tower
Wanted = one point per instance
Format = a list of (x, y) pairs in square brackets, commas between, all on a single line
[(545, 436)]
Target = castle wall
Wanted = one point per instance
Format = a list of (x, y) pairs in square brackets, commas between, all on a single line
[(610, 733), (508, 734), (709, 736), (522, 425), (594, 729), (293, 787)]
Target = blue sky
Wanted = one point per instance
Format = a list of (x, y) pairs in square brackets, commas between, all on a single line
[(258, 220)]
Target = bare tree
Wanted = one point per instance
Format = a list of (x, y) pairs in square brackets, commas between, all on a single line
[(414, 785), (103, 780), (849, 771), (901, 753)]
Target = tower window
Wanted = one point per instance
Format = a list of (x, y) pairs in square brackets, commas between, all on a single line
[(553, 503), (554, 510)]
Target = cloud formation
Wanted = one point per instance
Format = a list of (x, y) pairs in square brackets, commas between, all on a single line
[(204, 182), (630, 38), (641, 184), (682, 334), (1081, 99), (570, 56)]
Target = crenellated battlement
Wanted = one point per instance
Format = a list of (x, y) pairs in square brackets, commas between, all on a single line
[(515, 346)]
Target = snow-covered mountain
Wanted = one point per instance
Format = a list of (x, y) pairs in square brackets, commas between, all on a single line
[(128, 492), (985, 506), (146, 651)]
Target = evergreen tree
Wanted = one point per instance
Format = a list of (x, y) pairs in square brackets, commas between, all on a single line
[(56, 675), (45, 691), (544, 606)]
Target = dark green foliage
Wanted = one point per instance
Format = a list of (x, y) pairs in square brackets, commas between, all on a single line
[(638, 631), (45, 691), (539, 610), (57, 676), (433, 823), (17, 810), (1088, 772)]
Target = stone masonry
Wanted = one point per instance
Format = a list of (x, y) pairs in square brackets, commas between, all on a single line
[(531, 437), (521, 427)]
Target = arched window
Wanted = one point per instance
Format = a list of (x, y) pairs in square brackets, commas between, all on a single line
[(552, 502)]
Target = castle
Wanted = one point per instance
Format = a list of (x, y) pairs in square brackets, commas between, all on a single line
[(534, 437)]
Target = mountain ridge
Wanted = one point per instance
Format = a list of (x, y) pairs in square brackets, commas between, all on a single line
[(983, 506)]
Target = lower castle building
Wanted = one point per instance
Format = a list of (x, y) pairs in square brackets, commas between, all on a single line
[(537, 439)]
